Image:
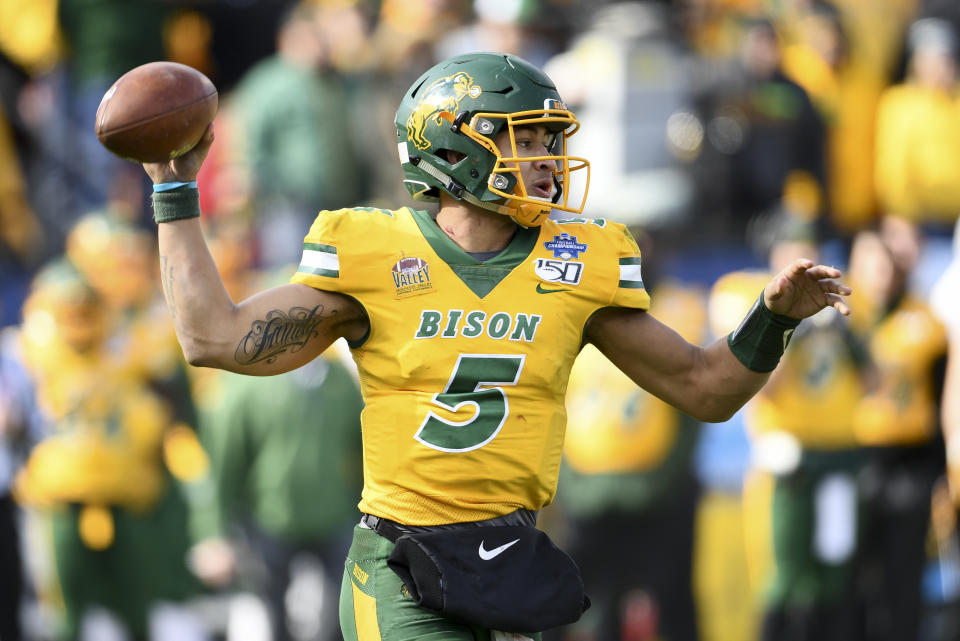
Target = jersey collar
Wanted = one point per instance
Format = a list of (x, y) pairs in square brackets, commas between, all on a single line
[(480, 277)]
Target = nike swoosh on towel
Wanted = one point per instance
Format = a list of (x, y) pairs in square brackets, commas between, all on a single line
[(486, 555)]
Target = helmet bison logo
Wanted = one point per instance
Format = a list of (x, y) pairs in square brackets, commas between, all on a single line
[(442, 95)]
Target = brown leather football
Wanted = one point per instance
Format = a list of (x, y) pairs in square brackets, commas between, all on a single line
[(156, 112)]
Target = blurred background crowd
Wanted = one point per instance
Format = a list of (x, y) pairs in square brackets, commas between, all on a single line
[(141, 498)]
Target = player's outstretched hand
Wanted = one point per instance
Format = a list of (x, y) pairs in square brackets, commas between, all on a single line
[(183, 168), (802, 289)]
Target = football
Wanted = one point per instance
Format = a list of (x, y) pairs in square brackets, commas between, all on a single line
[(156, 112)]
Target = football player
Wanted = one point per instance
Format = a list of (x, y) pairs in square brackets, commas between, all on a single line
[(103, 481), (464, 324), (800, 493), (897, 424)]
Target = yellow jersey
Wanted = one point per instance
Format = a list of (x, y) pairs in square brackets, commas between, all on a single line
[(108, 428), (465, 365), (905, 346), (917, 135), (816, 389)]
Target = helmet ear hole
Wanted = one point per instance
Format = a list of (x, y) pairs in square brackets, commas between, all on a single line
[(451, 156)]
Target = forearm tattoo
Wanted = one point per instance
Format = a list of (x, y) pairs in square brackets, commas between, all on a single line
[(166, 279), (279, 333)]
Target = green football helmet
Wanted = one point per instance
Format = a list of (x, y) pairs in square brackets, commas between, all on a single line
[(460, 105)]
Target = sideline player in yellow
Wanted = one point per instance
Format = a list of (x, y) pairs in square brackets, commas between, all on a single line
[(464, 325)]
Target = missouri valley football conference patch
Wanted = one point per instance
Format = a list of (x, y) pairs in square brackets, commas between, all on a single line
[(411, 276)]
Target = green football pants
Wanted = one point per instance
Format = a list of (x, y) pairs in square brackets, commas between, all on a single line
[(375, 605)]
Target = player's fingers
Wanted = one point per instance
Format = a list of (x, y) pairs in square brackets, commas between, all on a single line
[(836, 302), (832, 286), (207, 139), (188, 165), (798, 267), (823, 271), (203, 145)]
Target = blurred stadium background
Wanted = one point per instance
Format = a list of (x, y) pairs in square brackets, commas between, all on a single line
[(141, 498)]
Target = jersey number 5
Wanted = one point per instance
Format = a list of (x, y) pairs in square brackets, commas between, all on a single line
[(474, 382)]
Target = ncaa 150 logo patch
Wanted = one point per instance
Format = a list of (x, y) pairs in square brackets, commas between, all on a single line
[(558, 271), (411, 276)]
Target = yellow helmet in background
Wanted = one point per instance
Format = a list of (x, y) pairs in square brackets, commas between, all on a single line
[(116, 256), (63, 308), (731, 297)]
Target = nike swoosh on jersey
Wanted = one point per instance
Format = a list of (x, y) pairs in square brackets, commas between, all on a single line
[(541, 290), (486, 555)]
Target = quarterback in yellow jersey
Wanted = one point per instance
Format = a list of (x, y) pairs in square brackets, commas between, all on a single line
[(481, 352), (464, 325)]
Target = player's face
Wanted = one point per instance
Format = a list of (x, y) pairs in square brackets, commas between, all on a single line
[(537, 175)]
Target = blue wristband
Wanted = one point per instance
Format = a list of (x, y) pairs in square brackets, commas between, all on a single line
[(158, 187)]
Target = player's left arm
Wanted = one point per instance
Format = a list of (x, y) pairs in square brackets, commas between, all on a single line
[(711, 383)]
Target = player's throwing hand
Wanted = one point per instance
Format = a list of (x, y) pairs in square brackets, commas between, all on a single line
[(184, 168)]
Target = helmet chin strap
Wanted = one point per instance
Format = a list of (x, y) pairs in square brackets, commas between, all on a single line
[(524, 213), (494, 207)]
